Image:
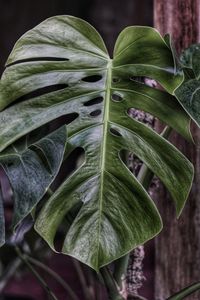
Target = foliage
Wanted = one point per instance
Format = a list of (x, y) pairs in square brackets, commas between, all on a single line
[(62, 68), (188, 93)]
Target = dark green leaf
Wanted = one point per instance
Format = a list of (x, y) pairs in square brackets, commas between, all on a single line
[(31, 168), (188, 93)]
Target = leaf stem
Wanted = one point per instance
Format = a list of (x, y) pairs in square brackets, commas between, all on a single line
[(83, 282), (9, 272), (185, 292), (145, 176), (121, 266), (110, 284), (54, 275), (166, 132), (35, 273)]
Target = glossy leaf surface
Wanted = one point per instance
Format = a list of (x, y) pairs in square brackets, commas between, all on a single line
[(114, 213)]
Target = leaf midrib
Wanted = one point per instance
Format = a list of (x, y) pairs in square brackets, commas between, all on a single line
[(103, 147)]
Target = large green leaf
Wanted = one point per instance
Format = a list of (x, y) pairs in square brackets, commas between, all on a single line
[(113, 211), (188, 93)]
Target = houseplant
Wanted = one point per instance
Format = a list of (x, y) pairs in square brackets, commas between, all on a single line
[(60, 72)]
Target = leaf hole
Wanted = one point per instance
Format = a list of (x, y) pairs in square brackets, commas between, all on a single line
[(69, 166), (51, 126), (10, 164), (137, 78), (115, 132), (92, 78), (95, 113), (142, 117), (145, 80), (62, 120), (115, 80), (41, 156), (64, 227), (48, 128), (47, 58), (39, 92), (94, 101), (117, 97), (131, 161)]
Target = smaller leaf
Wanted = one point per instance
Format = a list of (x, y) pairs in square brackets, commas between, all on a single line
[(188, 93), (30, 168), (190, 59)]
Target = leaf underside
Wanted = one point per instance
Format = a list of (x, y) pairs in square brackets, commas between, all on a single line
[(62, 67)]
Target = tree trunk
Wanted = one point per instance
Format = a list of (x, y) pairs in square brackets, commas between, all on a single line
[(178, 246)]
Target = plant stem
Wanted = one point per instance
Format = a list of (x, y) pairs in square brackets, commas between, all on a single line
[(110, 284), (121, 266), (92, 283), (185, 292), (35, 273), (145, 176), (83, 282), (13, 266), (166, 132), (54, 275)]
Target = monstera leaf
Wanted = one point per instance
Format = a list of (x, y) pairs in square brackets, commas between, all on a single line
[(62, 67), (188, 93)]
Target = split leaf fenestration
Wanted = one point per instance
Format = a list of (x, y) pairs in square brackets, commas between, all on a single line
[(62, 67)]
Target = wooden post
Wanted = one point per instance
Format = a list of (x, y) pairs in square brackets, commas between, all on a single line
[(178, 246)]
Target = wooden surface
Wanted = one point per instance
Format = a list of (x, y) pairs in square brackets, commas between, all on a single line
[(178, 246)]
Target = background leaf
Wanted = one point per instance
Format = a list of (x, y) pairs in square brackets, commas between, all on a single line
[(188, 93)]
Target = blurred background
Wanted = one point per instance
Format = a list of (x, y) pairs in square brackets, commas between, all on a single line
[(108, 17)]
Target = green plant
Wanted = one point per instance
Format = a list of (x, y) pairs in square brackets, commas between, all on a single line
[(62, 68)]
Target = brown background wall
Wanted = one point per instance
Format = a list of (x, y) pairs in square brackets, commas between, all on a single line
[(178, 246)]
